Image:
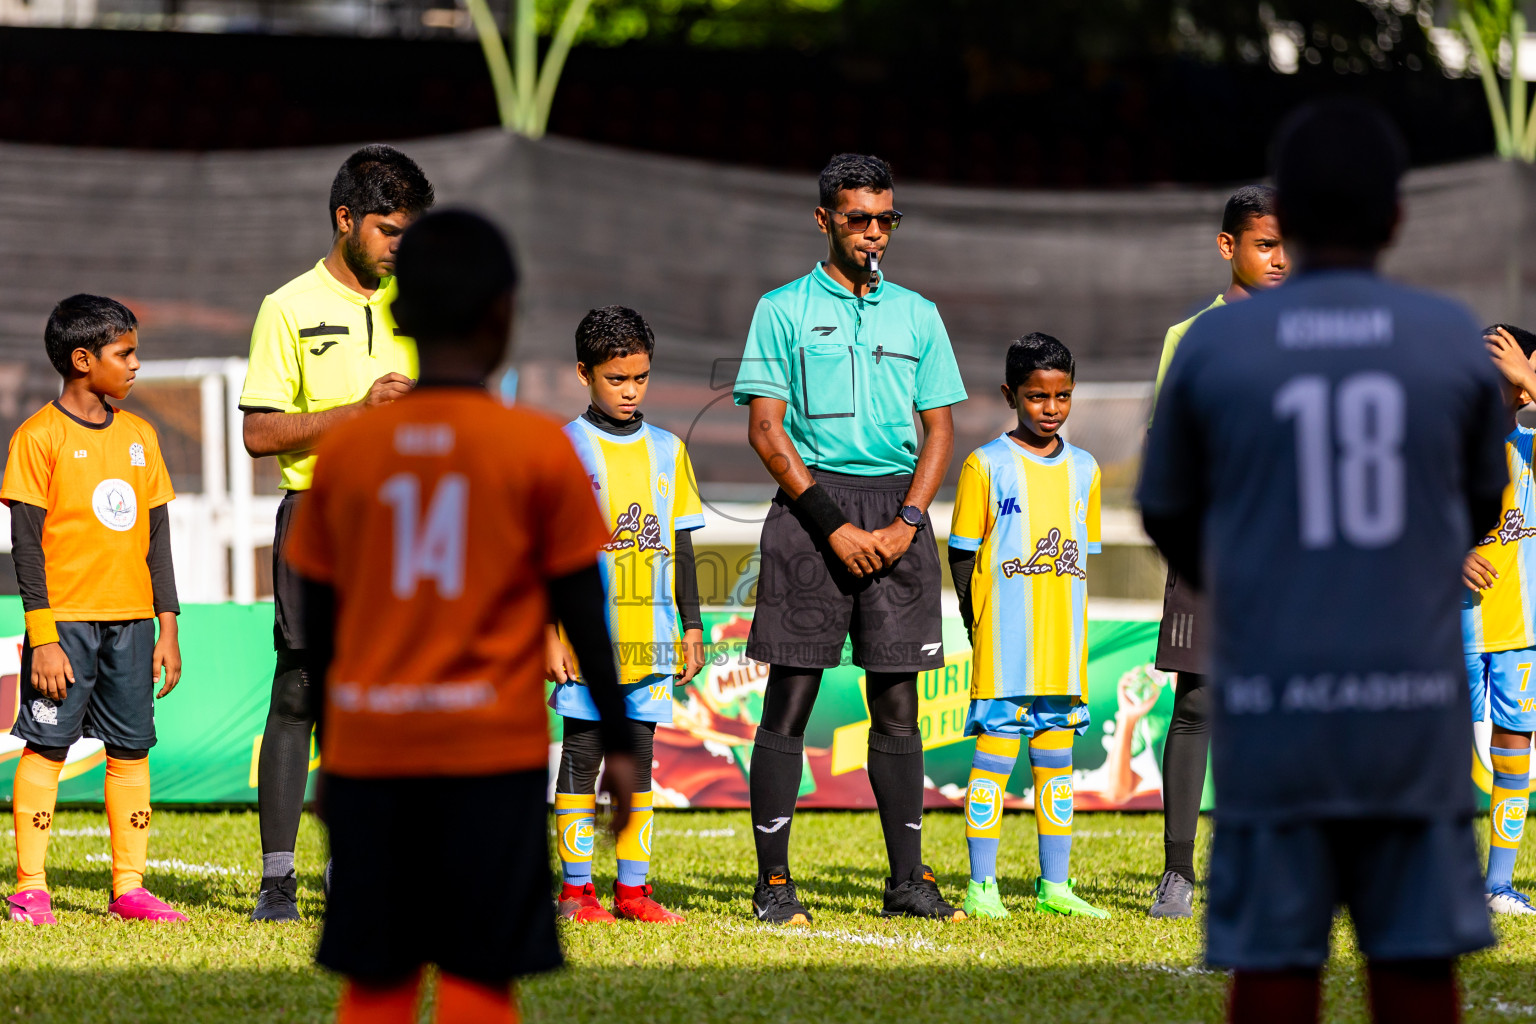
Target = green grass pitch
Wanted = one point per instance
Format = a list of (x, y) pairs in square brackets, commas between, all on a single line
[(721, 966)]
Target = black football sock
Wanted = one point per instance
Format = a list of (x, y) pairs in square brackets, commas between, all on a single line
[(1184, 759), (282, 769), (896, 776), (774, 783)]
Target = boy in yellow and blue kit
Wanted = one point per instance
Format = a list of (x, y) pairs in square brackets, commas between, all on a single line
[(1498, 621), (1026, 516), (648, 497)]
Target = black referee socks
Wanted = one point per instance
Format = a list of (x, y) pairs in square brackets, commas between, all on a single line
[(896, 776), (774, 782)]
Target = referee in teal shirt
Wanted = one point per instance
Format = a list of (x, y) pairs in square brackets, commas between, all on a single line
[(834, 366)]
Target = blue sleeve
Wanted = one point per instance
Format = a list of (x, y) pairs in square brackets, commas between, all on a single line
[(765, 370), (938, 375)]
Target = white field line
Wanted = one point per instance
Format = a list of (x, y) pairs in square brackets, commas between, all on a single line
[(844, 937), (703, 833), (73, 833), (1509, 1009), (1182, 970), (177, 866)]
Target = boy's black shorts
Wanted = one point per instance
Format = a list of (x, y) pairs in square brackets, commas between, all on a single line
[(113, 696), (490, 920), (808, 603)]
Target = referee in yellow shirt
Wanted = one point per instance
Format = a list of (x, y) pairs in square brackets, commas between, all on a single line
[(324, 347)]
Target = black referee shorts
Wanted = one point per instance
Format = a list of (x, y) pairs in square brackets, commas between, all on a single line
[(490, 920), (1182, 645), (808, 603), (287, 589)]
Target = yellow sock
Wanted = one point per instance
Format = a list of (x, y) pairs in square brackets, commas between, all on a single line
[(575, 821), (1507, 808), (128, 820), (991, 766), (635, 842), (36, 791), (1050, 761)]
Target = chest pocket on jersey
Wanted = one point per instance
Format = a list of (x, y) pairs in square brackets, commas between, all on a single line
[(827, 381), (326, 363), (894, 380)]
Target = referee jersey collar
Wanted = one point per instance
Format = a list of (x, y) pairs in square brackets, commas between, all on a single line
[(820, 276), (381, 295)]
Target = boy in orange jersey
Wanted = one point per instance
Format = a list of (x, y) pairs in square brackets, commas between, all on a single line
[(90, 536), (441, 533)]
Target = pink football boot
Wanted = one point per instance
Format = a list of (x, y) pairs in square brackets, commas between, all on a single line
[(141, 905), (31, 906)]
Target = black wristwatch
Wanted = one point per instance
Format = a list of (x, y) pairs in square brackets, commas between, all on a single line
[(912, 516)]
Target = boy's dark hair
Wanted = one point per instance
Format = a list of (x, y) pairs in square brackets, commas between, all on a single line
[(1524, 338), (853, 171), (1337, 165), (612, 332), (88, 322), (1247, 204), (451, 266), (379, 179), (1037, 351)]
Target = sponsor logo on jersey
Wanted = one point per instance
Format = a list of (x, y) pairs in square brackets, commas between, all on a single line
[(1513, 528), (1052, 555), (1509, 819), (136, 454), (577, 837), (115, 504), (1008, 506), (1056, 801), (983, 804)]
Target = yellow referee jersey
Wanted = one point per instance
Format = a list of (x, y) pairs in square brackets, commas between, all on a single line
[(318, 344)]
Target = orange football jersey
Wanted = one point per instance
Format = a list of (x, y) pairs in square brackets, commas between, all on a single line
[(98, 483), (439, 520)]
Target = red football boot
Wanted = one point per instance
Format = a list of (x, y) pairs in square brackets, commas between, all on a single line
[(634, 903), (579, 903)]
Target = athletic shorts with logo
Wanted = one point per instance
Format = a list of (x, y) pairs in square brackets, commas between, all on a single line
[(1026, 716), (1500, 689), (649, 700), (808, 603), (1181, 641), (489, 828), (113, 696), (1412, 886)]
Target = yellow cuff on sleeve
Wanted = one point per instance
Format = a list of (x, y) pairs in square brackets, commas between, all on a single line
[(40, 627)]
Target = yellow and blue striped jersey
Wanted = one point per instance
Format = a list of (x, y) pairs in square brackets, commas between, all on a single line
[(1032, 522), (1503, 617), (646, 492)]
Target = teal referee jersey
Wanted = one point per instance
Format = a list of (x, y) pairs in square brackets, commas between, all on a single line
[(851, 369)]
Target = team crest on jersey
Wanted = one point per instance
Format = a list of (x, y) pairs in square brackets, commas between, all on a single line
[(45, 711), (1052, 554), (1056, 801), (983, 804), (645, 532), (1080, 511), (662, 484), (115, 505), (1509, 819), (577, 837), (135, 454)]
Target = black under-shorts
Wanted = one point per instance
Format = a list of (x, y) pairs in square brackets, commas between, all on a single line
[(491, 919), (1182, 645), (287, 584), (808, 603)]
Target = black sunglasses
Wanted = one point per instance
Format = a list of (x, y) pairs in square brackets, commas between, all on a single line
[(860, 221)]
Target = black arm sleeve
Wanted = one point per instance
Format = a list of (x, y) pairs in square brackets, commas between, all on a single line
[(961, 565), (579, 604), (162, 574), (685, 585), (319, 602), (1178, 538), (27, 553)]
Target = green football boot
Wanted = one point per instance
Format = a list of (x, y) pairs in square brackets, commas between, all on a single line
[(982, 900), (1058, 898)]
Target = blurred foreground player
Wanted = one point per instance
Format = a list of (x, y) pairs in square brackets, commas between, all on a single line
[(1499, 629), (91, 536), (648, 496), (441, 533), (1249, 241), (1325, 454)]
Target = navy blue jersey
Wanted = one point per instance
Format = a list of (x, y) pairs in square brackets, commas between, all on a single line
[(1330, 437)]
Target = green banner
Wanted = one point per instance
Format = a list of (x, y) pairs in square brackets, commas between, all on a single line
[(210, 727)]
